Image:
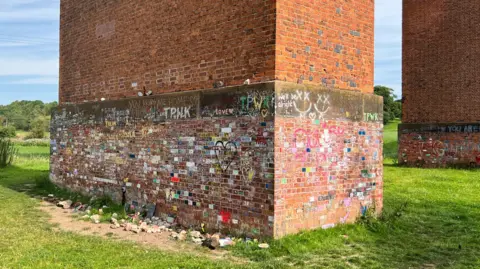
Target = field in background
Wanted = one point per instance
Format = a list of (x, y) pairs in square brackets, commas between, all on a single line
[(390, 143), (22, 134), (431, 220)]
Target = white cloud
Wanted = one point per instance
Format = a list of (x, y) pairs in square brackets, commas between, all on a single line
[(28, 67), (12, 44), (48, 80), (7, 4), (29, 15), (388, 44)]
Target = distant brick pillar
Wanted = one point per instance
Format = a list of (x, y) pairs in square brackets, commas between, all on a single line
[(441, 55), (262, 119)]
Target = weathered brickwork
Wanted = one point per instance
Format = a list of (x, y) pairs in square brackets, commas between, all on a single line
[(113, 49), (328, 157), (262, 120), (440, 82), (326, 42), (108, 46), (200, 158), (441, 55), (242, 159), (440, 145)]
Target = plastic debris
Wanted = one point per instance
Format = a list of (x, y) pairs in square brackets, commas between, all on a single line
[(263, 246)]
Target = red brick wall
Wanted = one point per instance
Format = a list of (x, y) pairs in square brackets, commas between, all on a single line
[(199, 158), (441, 55), (163, 45), (440, 145), (327, 42), (328, 157), (108, 46), (266, 159), (272, 185)]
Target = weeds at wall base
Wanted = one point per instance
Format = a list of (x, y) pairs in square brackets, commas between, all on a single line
[(44, 187), (8, 152), (384, 221)]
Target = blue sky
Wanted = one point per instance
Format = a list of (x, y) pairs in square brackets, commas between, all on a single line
[(29, 48)]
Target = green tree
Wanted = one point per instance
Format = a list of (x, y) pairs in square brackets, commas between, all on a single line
[(391, 109), (49, 108), (7, 132), (22, 114), (38, 128)]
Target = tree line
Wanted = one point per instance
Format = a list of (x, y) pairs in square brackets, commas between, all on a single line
[(30, 116), (392, 107)]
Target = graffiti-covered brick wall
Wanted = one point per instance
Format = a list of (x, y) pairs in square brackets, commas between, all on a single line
[(439, 145), (328, 157), (200, 157), (329, 43), (267, 159), (231, 136), (440, 84), (112, 49)]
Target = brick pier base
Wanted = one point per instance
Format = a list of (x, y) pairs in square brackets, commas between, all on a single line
[(439, 145), (267, 159)]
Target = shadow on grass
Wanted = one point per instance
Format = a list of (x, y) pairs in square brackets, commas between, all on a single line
[(390, 148), (36, 183), (14, 176)]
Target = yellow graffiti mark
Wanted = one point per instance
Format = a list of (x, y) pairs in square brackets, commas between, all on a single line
[(110, 123), (119, 160), (251, 173)]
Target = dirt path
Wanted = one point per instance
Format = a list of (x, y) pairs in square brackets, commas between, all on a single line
[(65, 220)]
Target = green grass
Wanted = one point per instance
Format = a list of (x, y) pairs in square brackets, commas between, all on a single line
[(28, 241), (390, 145), (34, 152), (439, 226)]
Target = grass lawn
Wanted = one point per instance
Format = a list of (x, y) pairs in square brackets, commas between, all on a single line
[(390, 146), (431, 220), (31, 152)]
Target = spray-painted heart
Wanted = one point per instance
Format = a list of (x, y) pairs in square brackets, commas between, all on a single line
[(226, 154)]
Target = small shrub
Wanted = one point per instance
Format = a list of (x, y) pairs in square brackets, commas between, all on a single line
[(35, 135), (38, 128), (8, 132), (8, 151), (393, 156), (386, 220)]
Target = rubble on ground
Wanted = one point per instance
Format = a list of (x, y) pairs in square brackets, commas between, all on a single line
[(136, 224)]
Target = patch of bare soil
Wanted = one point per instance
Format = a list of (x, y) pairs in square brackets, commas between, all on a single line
[(64, 220)]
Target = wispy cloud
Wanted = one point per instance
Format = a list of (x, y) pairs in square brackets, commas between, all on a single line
[(48, 80), (38, 14), (28, 49), (23, 67), (388, 44)]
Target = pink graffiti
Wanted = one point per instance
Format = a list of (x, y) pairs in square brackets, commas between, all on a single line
[(313, 137), (337, 130), (317, 158), (347, 202)]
